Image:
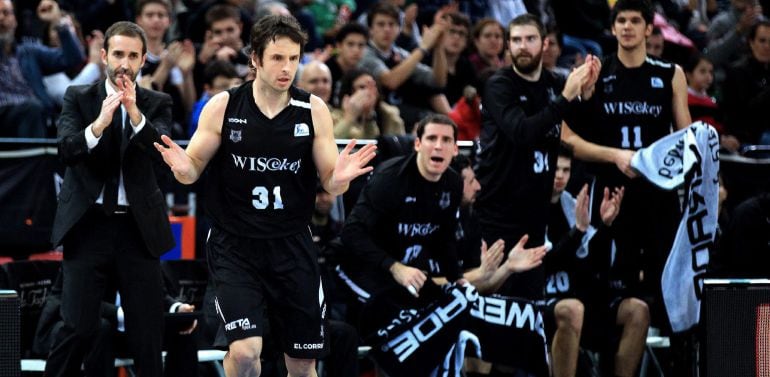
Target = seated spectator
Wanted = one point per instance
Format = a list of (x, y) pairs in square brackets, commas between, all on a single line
[(489, 43), (167, 68), (726, 35), (552, 53), (219, 76), (408, 84), (350, 43), (364, 115), (700, 75), (57, 83), (315, 78), (655, 43), (460, 72), (25, 106), (222, 40), (746, 91)]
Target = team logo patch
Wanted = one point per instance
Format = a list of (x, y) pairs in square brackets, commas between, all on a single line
[(444, 201), (656, 82), (235, 135), (301, 129)]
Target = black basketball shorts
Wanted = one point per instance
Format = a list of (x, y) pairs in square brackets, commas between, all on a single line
[(277, 275)]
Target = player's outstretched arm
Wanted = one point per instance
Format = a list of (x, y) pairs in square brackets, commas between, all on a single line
[(187, 165)]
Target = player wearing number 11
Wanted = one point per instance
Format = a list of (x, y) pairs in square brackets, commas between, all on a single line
[(268, 143), (637, 100)]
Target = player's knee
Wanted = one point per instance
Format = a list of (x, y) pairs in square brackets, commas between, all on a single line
[(635, 313), (244, 354), (569, 314), (300, 367)]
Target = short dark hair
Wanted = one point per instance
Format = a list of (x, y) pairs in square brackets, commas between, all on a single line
[(526, 19), (216, 68), (553, 29), (383, 8), (221, 12), (125, 29), (351, 28), (459, 19), (753, 30), (438, 119), (269, 28), (642, 6), (693, 60), (143, 3), (460, 162), (565, 150)]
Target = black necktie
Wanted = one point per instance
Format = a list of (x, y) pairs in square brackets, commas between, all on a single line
[(110, 197)]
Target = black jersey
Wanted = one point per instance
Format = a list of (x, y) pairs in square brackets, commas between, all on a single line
[(261, 182), (521, 123), (631, 108), (401, 216)]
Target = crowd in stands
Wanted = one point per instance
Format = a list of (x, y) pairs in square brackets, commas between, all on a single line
[(382, 67)]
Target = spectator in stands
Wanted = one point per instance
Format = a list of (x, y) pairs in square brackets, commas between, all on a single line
[(703, 107), (197, 34), (350, 43), (489, 42), (747, 90), (109, 339), (330, 16), (408, 84), (24, 103), (726, 35), (363, 114), (111, 218), (219, 76), (655, 43), (56, 84), (460, 72), (168, 68), (315, 78), (552, 53), (223, 40)]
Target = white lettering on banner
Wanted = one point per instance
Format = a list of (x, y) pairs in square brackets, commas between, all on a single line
[(263, 164), (700, 239), (412, 230), (406, 343), (505, 312), (632, 108)]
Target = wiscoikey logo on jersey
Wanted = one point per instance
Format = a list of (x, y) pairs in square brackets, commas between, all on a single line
[(301, 129), (235, 136), (656, 82)]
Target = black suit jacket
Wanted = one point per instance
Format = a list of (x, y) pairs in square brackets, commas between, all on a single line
[(86, 172)]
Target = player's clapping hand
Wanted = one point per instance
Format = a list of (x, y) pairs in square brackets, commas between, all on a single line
[(491, 258), (610, 206), (521, 259)]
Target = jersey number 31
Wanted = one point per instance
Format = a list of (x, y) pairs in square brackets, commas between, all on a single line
[(262, 197)]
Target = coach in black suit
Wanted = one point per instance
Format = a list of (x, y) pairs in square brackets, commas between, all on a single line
[(111, 217)]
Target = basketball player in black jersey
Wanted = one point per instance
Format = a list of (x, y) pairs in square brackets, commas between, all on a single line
[(636, 101), (268, 143)]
